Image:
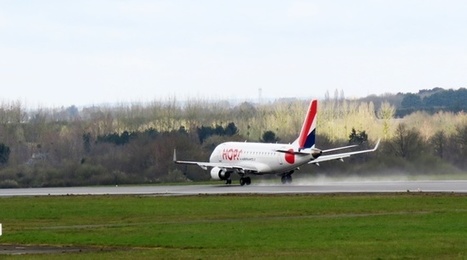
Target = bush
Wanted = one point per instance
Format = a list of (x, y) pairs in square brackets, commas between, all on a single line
[(9, 184), (88, 174), (173, 176)]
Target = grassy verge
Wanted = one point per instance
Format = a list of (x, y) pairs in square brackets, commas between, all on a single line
[(210, 227)]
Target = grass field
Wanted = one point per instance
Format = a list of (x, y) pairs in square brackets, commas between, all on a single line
[(376, 226)]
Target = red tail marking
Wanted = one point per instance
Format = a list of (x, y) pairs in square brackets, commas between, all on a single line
[(307, 123)]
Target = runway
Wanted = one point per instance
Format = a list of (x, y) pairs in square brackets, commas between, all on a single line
[(457, 186)]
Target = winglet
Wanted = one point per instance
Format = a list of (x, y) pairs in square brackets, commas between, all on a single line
[(377, 144), (203, 165)]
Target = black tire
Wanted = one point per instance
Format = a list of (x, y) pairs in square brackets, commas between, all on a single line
[(242, 181)]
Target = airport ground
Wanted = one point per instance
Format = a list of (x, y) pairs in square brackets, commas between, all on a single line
[(409, 224), (259, 186)]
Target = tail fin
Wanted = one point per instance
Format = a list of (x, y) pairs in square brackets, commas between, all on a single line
[(308, 133)]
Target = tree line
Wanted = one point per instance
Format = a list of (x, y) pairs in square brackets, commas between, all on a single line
[(133, 143), (427, 100)]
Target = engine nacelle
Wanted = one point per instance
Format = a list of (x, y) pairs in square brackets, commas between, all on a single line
[(316, 153), (219, 174)]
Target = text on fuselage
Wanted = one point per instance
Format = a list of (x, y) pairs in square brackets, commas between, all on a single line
[(231, 154)]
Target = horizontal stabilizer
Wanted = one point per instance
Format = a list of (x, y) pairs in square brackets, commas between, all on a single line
[(341, 156), (339, 148)]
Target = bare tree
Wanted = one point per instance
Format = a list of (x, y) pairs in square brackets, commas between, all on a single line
[(460, 139), (407, 143), (386, 114), (438, 142)]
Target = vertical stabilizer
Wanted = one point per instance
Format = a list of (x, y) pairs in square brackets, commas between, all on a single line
[(308, 133)]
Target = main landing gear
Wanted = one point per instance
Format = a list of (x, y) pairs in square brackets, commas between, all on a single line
[(287, 178), (245, 180)]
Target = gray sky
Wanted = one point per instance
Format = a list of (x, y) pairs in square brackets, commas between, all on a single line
[(61, 53)]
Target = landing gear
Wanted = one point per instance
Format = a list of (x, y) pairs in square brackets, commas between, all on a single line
[(245, 180), (228, 181), (286, 178)]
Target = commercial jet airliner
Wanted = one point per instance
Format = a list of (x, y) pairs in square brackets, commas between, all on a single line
[(246, 158)]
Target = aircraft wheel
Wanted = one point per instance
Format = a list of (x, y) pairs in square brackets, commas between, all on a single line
[(247, 181), (286, 179), (242, 181), (228, 182)]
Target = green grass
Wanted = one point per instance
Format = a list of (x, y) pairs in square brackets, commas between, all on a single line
[(210, 227)]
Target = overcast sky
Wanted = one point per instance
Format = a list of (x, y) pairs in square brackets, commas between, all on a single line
[(62, 53)]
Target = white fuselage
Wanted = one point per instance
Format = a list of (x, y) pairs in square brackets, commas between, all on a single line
[(261, 156)]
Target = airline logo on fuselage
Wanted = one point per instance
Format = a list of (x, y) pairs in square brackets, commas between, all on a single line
[(231, 154)]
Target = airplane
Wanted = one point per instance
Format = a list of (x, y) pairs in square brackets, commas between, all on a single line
[(251, 158)]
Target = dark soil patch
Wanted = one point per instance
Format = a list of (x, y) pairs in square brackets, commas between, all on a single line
[(19, 249)]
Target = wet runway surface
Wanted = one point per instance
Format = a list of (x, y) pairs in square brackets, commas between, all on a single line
[(457, 186)]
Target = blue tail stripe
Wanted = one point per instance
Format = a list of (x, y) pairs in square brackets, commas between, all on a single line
[(310, 139)]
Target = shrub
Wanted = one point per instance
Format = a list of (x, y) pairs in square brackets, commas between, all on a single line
[(9, 184)]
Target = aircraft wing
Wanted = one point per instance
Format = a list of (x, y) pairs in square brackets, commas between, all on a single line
[(341, 156), (206, 165)]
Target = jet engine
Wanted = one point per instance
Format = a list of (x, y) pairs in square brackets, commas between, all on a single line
[(316, 153), (219, 174)]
